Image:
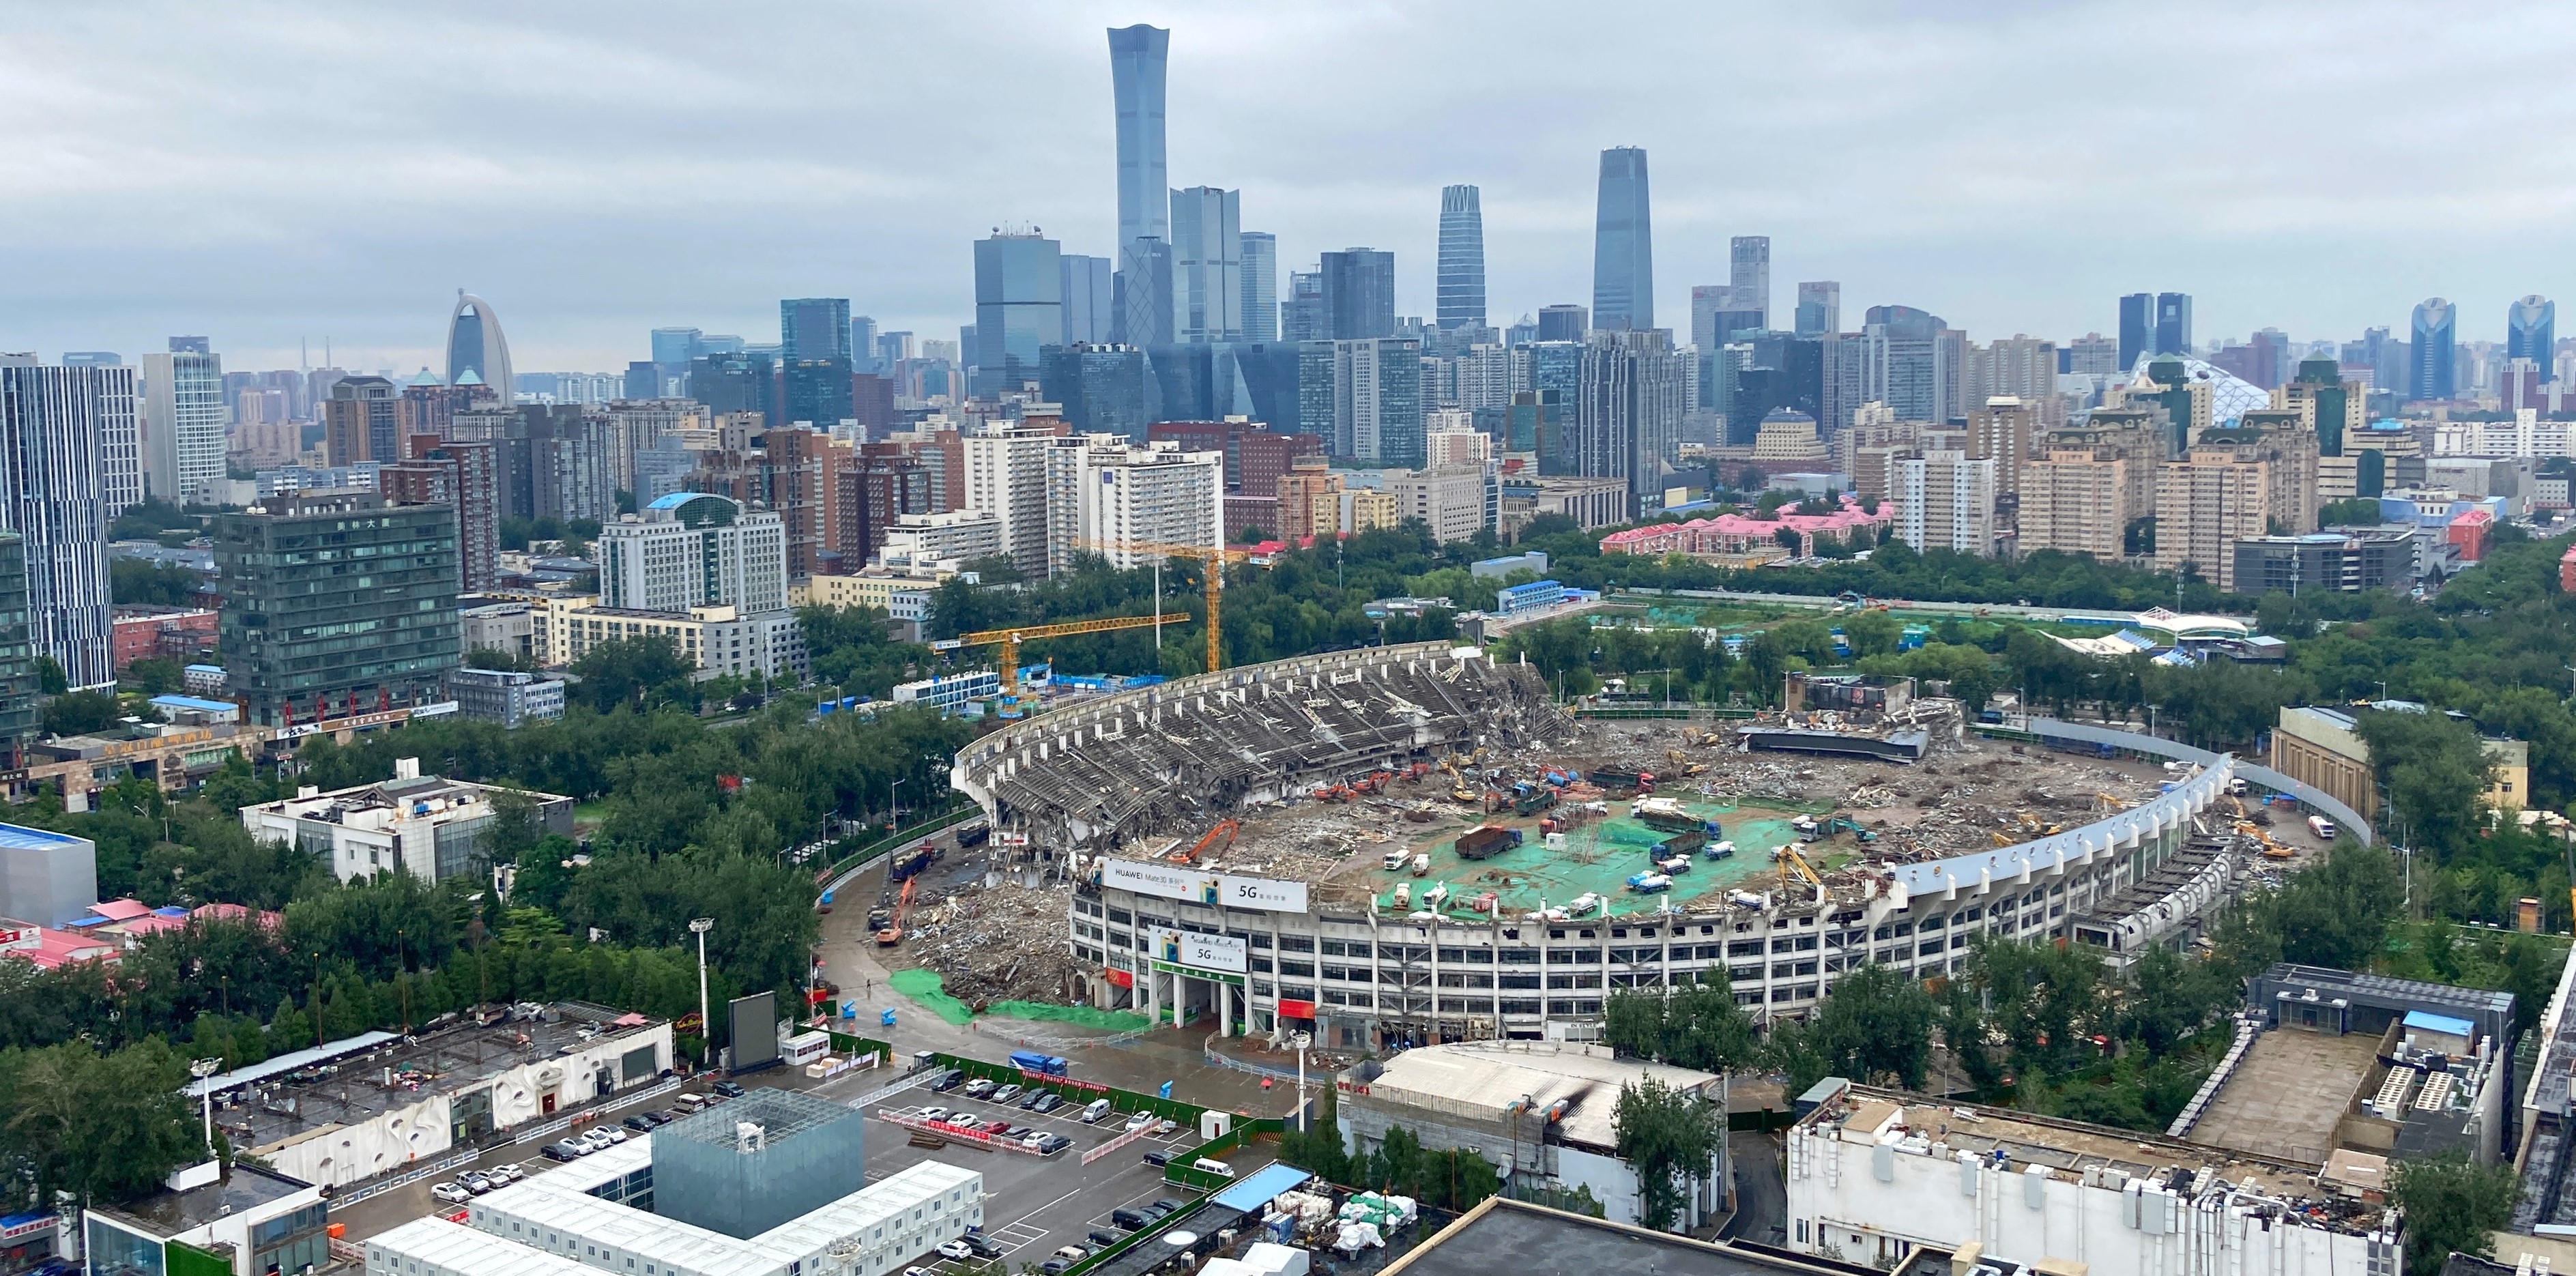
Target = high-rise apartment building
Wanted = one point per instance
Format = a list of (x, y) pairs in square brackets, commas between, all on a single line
[(1359, 294), (463, 476), (1945, 500), (361, 421), (183, 422), (303, 573), (1207, 265), (863, 343), (1106, 497), (1820, 308), (2173, 323), (56, 427), (1019, 308), (2137, 328), (1138, 56), (2207, 501), (2531, 332), (694, 549), (1628, 411), (1912, 363), (1370, 393), (2330, 404), (2432, 370), (1260, 253), (2018, 367), (1006, 476), (1460, 298), (1623, 249), (2001, 430), (2079, 500), (814, 328), (1563, 322), (1748, 276), (19, 685), (2093, 355), (476, 350), (798, 476)]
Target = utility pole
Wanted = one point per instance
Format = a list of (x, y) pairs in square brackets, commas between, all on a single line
[(1303, 1040), (699, 926)]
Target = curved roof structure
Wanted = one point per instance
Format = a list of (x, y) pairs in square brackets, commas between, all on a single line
[(475, 345), (2230, 397)]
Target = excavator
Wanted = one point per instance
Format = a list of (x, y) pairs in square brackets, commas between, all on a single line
[(1458, 790), (2272, 850), (1790, 858), (892, 933), (1683, 764), (1225, 830), (2112, 803)]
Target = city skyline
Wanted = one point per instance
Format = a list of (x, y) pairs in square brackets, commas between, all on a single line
[(550, 216)]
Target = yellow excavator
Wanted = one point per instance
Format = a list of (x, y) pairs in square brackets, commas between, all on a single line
[(1458, 790), (1789, 859)]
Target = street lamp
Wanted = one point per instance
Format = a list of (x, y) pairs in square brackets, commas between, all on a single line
[(1303, 1040), (699, 926), (202, 1069)]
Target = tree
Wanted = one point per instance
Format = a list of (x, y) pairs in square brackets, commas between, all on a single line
[(2451, 1206), (639, 673), (50, 678), (135, 582), (1668, 1137), (2359, 511), (1696, 1026), (2335, 913), (1875, 1022), (104, 1128), (80, 713)]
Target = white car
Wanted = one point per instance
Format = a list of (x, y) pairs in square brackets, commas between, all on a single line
[(1140, 1120), (597, 1138), (934, 1113), (451, 1193), (506, 1172), (958, 1250), (616, 1133)]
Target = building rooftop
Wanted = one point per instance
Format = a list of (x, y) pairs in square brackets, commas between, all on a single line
[(455, 1247), (387, 805), (244, 1188), (1530, 1240), (18, 837), (1486, 1080)]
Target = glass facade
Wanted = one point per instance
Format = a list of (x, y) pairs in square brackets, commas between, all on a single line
[(338, 599), (1461, 297), (1623, 252), (114, 1251), (1019, 308)]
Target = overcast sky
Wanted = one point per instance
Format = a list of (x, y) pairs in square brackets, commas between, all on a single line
[(269, 172)]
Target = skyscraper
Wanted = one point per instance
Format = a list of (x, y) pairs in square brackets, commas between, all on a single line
[(1623, 251), (1563, 323), (1137, 56), (2530, 332), (1260, 321), (1820, 308), (1207, 265), (2173, 323), (475, 345), (1090, 299), (183, 422), (361, 421), (2431, 374), (55, 423), (814, 328), (1628, 410), (1748, 274), (308, 570), (1101, 388), (2137, 328), (1019, 307), (1461, 301), (1905, 364), (1359, 294), (1303, 318), (863, 343)]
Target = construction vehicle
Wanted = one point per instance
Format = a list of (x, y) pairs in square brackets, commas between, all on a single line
[(1212, 560), (2272, 850), (1846, 824), (1612, 780), (2000, 839), (1225, 829), (1486, 842), (892, 934), (1790, 858), (1011, 705), (1530, 799)]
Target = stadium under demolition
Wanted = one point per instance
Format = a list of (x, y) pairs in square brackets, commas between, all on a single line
[(1407, 844)]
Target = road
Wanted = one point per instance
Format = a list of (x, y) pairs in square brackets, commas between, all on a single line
[(1761, 1194)]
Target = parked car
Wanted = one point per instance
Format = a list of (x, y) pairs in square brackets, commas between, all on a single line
[(565, 1150), (1101, 1238), (934, 1113), (507, 1172), (1008, 1091), (615, 1134), (1047, 1101), (1127, 1218), (949, 1080), (639, 1123), (727, 1089), (1018, 1132), (997, 1126), (980, 1088), (1158, 1157), (451, 1193), (1054, 1267), (1140, 1120), (1072, 1253), (595, 1139), (1166, 1204), (1094, 1110), (1029, 1101), (475, 1181), (958, 1250), (983, 1247), (1049, 1144), (1164, 1128)]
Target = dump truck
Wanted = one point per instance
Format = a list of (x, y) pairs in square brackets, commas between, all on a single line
[(1530, 799), (1682, 844), (1486, 842)]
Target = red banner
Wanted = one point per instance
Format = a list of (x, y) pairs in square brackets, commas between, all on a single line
[(1296, 1009), (1122, 978)]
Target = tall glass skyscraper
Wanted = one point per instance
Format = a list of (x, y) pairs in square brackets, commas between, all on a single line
[(1461, 298), (2137, 328), (1623, 249), (1820, 308), (1748, 275), (184, 415), (1207, 265), (2431, 378), (1137, 57), (1019, 308), (814, 328), (1260, 286), (59, 432), (1359, 294), (2173, 323), (475, 344), (2531, 332), (1090, 299)]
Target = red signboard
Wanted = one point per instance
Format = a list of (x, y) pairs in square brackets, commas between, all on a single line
[(1289, 1009), (1123, 978)]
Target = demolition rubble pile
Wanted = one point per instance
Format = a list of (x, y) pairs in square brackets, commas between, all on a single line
[(1003, 942)]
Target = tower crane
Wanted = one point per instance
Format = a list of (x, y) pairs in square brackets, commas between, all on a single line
[(1010, 639), (1214, 558)]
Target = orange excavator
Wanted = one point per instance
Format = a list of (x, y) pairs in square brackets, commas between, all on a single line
[(1225, 830), (893, 932)]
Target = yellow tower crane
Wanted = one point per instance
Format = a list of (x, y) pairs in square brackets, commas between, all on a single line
[(1213, 557), (1010, 639)]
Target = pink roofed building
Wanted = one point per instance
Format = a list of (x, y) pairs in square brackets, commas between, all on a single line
[(1743, 533), (49, 949)]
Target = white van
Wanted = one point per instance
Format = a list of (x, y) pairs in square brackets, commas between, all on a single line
[(1094, 1110), (1207, 1165), (688, 1103)]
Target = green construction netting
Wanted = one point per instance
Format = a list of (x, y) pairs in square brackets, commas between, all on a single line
[(923, 986)]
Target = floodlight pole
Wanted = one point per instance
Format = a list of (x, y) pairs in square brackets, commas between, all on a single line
[(699, 926)]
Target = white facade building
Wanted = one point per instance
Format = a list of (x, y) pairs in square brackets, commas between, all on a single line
[(2526, 435), (1006, 477), (940, 542), (427, 827), (1103, 496), (690, 549), (1454, 501), (1873, 1175), (1944, 500), (183, 424)]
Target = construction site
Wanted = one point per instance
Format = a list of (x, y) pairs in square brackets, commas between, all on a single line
[(1415, 843)]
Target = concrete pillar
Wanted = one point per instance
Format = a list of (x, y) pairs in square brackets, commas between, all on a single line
[(1224, 1008)]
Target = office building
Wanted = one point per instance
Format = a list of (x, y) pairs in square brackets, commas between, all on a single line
[(1452, 501), (1623, 254), (1719, 316), (1100, 388), (476, 350), (2331, 405), (941, 541), (2137, 328), (730, 383), (57, 427), (1106, 497), (818, 393), (1137, 57), (693, 549), (1260, 254), (1090, 302), (305, 573), (2342, 562), (1207, 265), (1820, 308), (2173, 323), (464, 476), (510, 697), (1006, 476), (1019, 308), (361, 421), (2092, 355), (814, 328), (2431, 365), (241, 1221), (863, 343), (2531, 332), (1945, 500), (18, 682), (1748, 276), (1370, 393), (183, 423), (1461, 285), (1911, 362), (1629, 401), (887, 482), (1303, 318), (1358, 294), (2206, 501), (427, 826), (1563, 323)]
